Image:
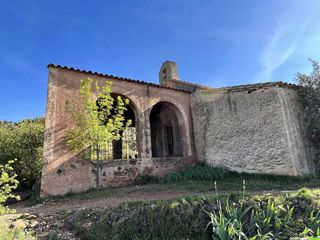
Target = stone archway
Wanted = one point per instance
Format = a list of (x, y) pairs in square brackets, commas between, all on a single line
[(127, 146), (167, 129)]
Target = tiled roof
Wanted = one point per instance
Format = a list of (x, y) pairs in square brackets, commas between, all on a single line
[(259, 86), (228, 89), (188, 83), (114, 77)]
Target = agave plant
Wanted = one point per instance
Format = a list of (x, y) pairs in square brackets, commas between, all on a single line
[(229, 222), (224, 228), (234, 221), (274, 220), (312, 225)]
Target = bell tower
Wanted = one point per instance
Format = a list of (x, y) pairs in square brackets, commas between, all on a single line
[(168, 71)]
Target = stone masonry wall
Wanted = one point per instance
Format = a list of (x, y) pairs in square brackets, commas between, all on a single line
[(64, 171), (118, 173), (256, 131)]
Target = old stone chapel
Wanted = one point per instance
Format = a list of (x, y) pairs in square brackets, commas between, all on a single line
[(255, 128)]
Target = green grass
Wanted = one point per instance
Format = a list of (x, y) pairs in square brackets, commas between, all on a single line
[(199, 178), (199, 172), (147, 220), (202, 178), (185, 218), (203, 172), (234, 183), (10, 233)]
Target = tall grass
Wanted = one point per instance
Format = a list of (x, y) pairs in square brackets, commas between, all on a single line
[(151, 220), (259, 217), (204, 172), (199, 172)]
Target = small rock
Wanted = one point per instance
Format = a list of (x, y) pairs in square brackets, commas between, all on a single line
[(32, 217), (86, 226), (33, 224), (20, 224), (25, 215)]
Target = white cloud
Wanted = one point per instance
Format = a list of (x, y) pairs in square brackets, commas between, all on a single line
[(292, 36), (276, 52)]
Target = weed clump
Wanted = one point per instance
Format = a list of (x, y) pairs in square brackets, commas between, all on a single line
[(199, 172)]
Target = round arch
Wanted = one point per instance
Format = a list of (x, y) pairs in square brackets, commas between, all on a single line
[(127, 146), (167, 127), (132, 103)]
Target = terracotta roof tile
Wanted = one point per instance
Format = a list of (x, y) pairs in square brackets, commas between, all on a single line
[(259, 86), (229, 89), (114, 77), (188, 83)]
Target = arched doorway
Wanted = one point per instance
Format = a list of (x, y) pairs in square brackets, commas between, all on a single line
[(166, 130), (126, 146)]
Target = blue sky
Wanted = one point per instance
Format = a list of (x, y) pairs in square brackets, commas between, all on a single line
[(215, 43)]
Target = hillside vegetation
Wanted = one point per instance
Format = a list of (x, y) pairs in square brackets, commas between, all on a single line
[(278, 216), (23, 141)]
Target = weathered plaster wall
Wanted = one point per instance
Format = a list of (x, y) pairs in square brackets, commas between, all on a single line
[(253, 131), (64, 172), (257, 130), (123, 172)]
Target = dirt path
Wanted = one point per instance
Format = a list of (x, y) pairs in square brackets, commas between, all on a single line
[(148, 192), (100, 202)]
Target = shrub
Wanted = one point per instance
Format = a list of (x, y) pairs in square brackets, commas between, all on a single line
[(8, 183), (23, 141), (311, 102)]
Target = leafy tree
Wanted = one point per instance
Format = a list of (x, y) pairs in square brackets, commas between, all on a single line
[(6, 138), (8, 183), (98, 120), (23, 141), (29, 137), (311, 102)]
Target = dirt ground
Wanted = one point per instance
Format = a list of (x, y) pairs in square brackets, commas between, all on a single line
[(55, 216), (100, 202), (114, 198)]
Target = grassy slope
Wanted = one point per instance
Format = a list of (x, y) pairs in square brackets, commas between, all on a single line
[(183, 218)]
